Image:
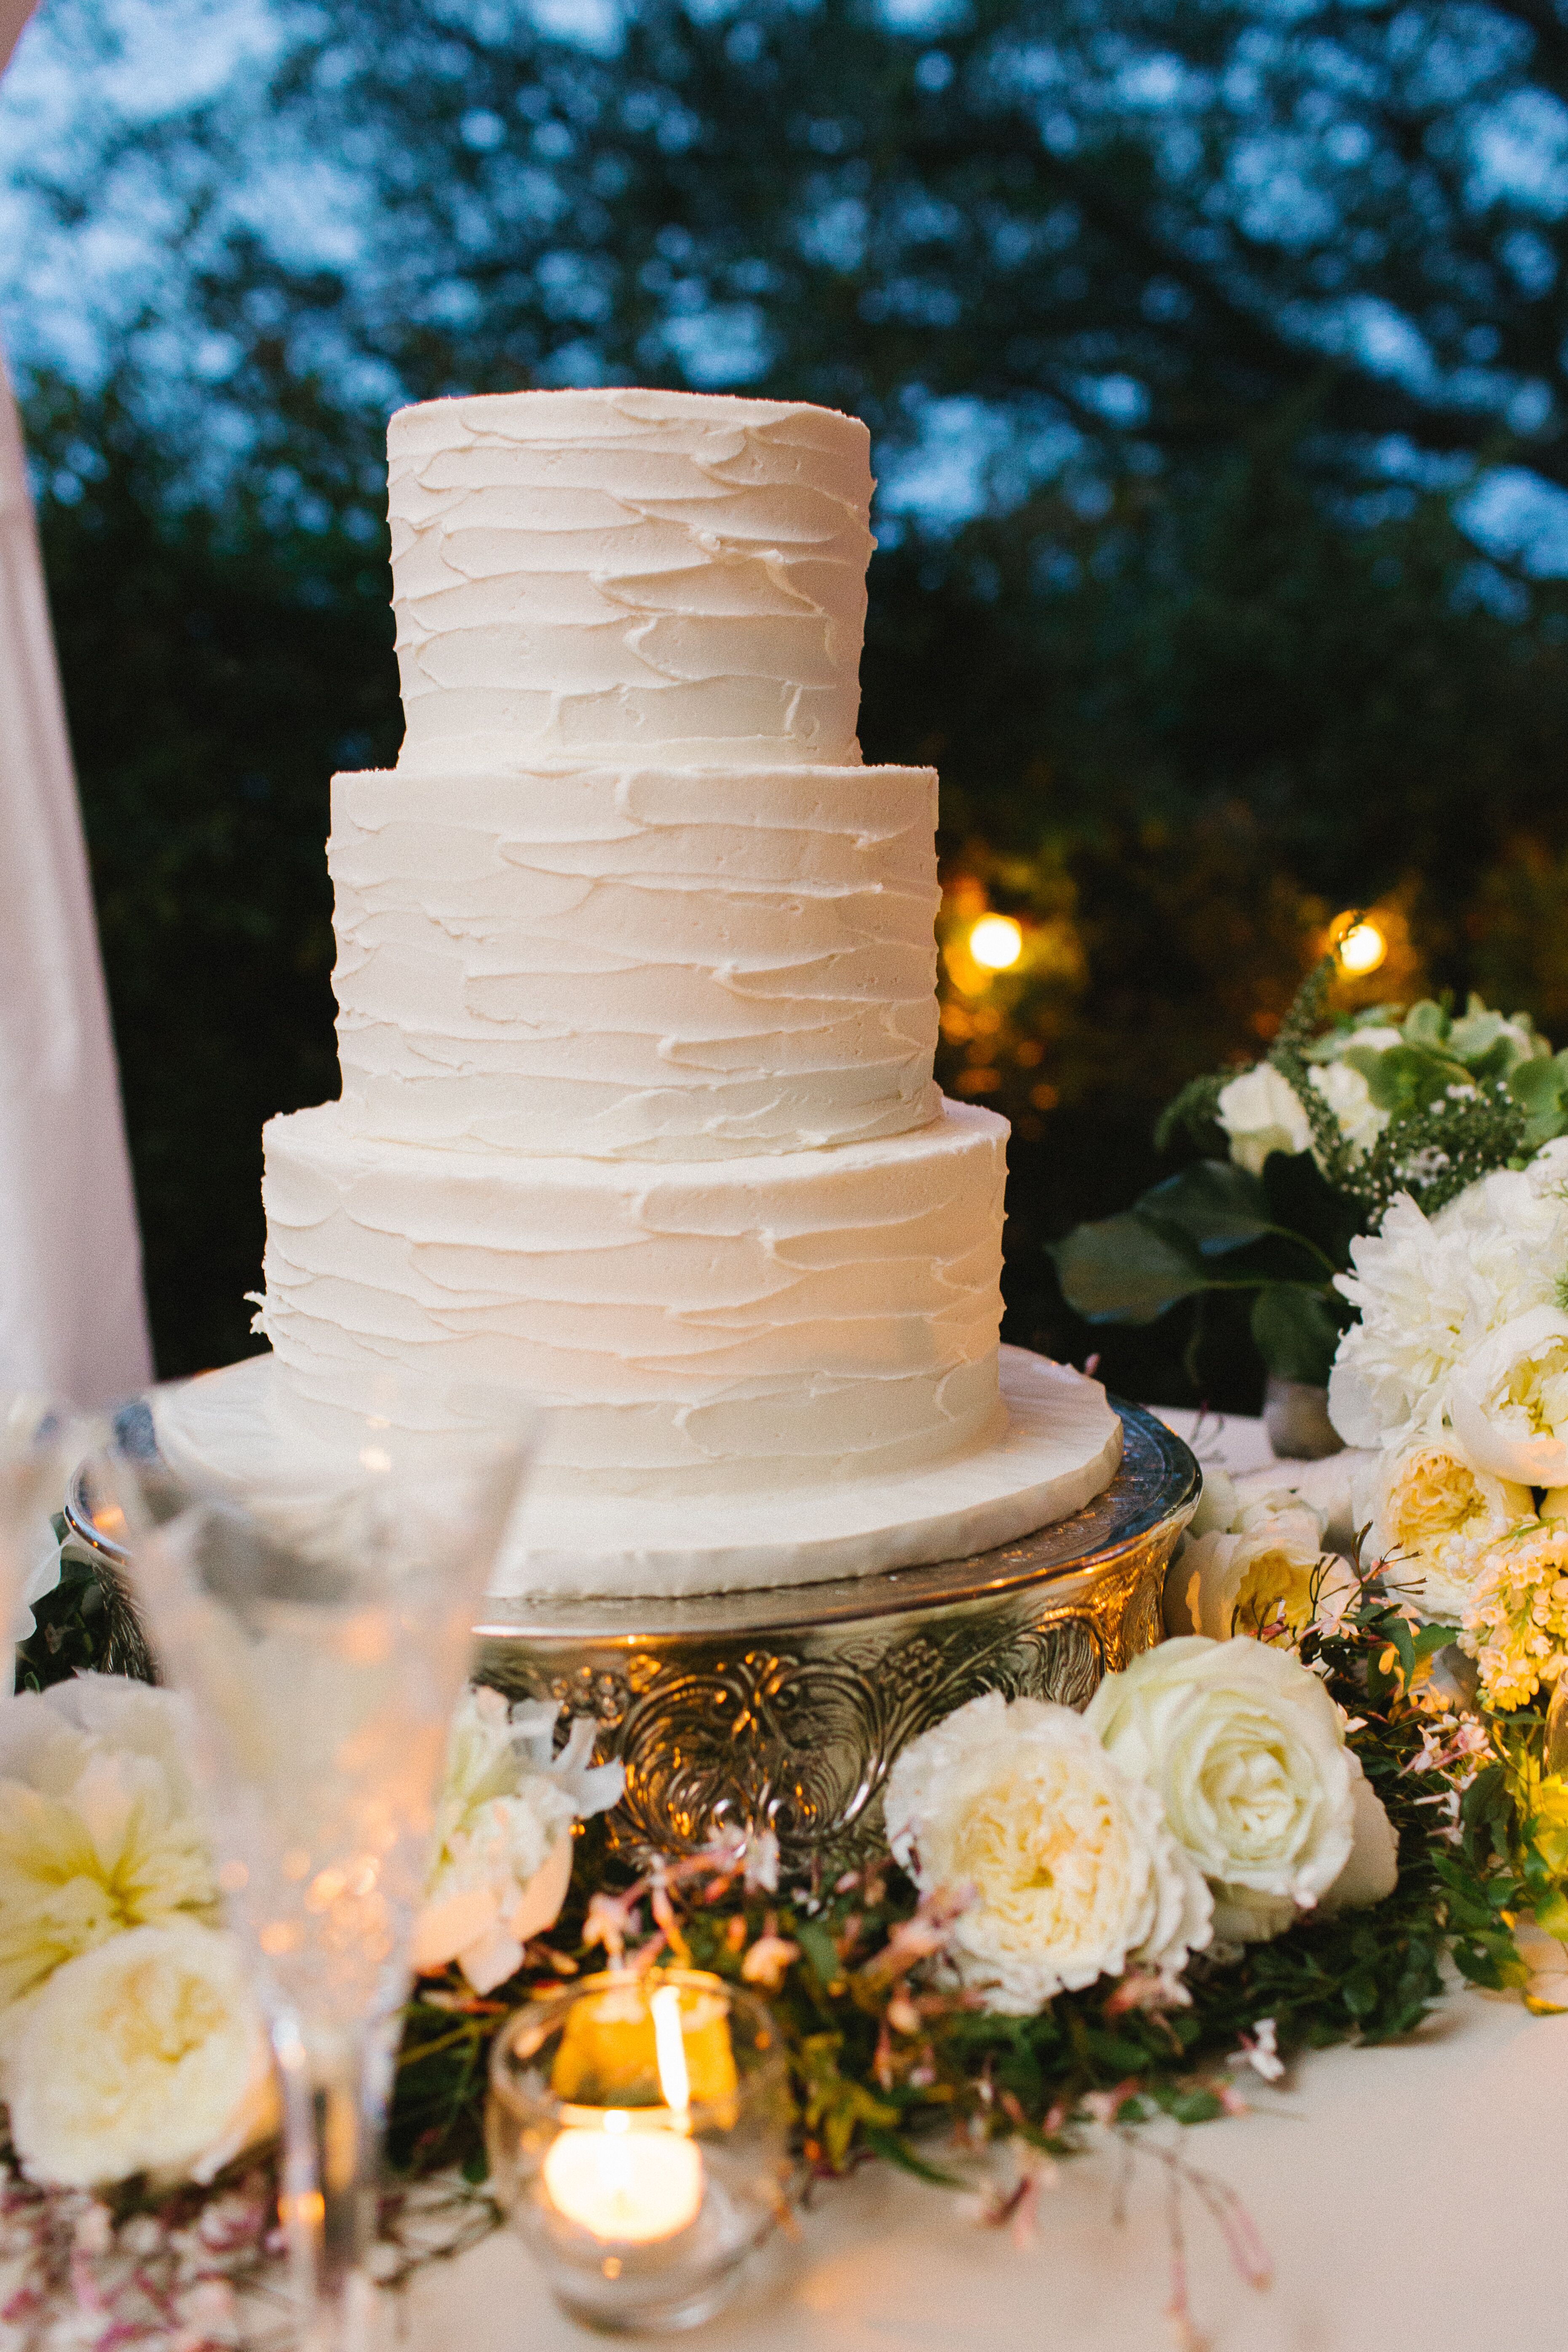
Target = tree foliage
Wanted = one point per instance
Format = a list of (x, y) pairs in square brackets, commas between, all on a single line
[(1209, 315)]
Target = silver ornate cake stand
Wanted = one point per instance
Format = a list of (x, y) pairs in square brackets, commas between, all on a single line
[(784, 1709)]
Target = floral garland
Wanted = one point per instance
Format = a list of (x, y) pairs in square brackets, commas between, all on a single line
[(1054, 1938)]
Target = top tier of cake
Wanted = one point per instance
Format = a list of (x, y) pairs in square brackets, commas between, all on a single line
[(591, 574)]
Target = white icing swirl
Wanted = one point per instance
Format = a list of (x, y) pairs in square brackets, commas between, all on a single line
[(656, 964), (674, 574), (760, 1323)]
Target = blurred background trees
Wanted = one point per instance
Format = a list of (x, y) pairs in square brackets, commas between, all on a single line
[(1214, 352)]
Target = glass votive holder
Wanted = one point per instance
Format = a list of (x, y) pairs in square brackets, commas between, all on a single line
[(638, 2136)]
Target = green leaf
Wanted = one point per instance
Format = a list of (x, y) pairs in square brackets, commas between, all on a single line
[(1217, 1206), (1540, 1087), (1126, 1270), (1425, 1023), (1297, 1332)]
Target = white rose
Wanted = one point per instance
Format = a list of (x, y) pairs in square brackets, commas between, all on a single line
[(1509, 1399), (1349, 1097), (1261, 1113), (145, 2055), (1075, 1874), (503, 1834), (1433, 1518), (1247, 1752), (1268, 1569), (99, 1825)]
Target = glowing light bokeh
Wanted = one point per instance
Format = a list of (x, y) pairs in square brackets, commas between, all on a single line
[(996, 942), (1361, 949)]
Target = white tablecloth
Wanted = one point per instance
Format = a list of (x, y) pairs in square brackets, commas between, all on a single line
[(1410, 2200)]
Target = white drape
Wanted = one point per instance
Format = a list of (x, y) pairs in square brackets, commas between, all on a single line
[(72, 1317)]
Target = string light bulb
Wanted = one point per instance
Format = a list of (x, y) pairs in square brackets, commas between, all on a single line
[(996, 942), (1362, 948)]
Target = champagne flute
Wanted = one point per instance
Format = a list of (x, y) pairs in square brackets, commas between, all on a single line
[(312, 1578)]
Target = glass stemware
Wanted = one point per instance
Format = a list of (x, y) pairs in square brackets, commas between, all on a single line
[(311, 1579)]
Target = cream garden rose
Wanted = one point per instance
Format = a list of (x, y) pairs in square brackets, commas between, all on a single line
[(1073, 1872), (1247, 1753), (146, 2054), (100, 1826), (1432, 1516), (503, 1834), (1264, 1569)]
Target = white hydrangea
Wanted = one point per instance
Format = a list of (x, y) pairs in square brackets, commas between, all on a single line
[(503, 1834), (1431, 1289)]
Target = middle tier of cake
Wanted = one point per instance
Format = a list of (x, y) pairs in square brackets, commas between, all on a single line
[(688, 1328), (639, 963)]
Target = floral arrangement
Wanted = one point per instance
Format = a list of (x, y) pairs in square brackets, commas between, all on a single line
[(1245, 1847), (1306, 1150), (1337, 1778)]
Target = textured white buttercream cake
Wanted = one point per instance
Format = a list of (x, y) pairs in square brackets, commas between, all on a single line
[(636, 1012)]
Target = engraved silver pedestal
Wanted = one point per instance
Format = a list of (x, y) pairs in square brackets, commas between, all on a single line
[(784, 1709)]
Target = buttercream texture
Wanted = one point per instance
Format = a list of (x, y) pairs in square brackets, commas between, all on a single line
[(635, 986), (641, 963), (760, 1323), (665, 573)]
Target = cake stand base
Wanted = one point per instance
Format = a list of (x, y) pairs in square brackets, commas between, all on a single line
[(784, 1709)]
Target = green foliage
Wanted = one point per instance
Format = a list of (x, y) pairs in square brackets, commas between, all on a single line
[(86, 1624), (1136, 1266), (1195, 664)]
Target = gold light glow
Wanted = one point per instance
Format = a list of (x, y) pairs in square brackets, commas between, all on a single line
[(996, 942), (1362, 948)]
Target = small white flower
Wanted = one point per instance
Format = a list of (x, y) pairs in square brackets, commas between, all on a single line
[(1260, 1112), (145, 2055), (99, 1825), (503, 1834), (1074, 1873), (1247, 1752)]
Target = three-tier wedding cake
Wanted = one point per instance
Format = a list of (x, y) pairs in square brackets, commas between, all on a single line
[(636, 985)]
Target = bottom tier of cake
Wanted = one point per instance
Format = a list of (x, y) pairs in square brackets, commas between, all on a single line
[(706, 1329), (1057, 1446)]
